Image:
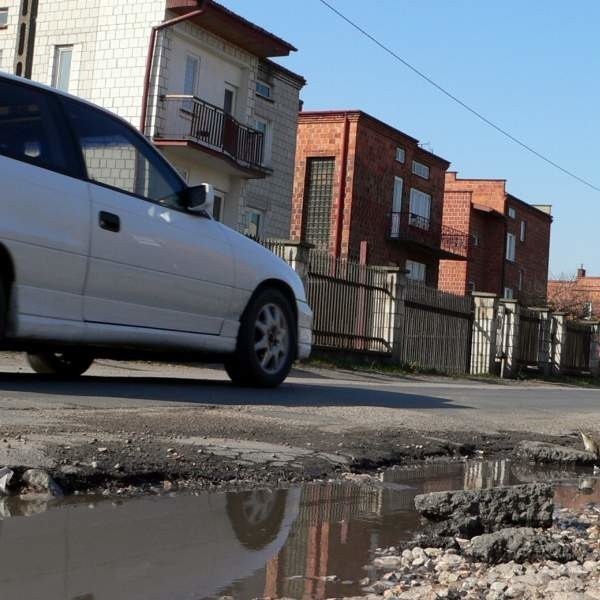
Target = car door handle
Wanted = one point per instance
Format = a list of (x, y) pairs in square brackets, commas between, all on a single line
[(109, 221)]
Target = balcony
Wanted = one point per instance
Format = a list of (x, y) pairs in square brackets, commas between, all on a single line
[(188, 121), (418, 232)]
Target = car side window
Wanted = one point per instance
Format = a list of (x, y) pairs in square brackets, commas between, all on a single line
[(30, 127), (117, 156)]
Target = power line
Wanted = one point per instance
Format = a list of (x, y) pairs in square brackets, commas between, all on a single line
[(456, 99)]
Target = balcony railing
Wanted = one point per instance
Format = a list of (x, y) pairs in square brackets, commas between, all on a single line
[(410, 227), (189, 118)]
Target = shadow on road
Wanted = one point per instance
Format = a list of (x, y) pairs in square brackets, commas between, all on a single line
[(103, 391)]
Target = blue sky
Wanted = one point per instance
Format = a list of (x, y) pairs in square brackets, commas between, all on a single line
[(531, 67)]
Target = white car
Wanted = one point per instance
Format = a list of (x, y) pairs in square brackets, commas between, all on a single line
[(105, 252)]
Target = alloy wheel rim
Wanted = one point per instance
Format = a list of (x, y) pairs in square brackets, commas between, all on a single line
[(271, 338)]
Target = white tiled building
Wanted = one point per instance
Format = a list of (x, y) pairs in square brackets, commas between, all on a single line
[(206, 104)]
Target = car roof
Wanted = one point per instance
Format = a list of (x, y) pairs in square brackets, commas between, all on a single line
[(52, 90)]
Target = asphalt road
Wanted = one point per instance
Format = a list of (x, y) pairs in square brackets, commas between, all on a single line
[(188, 403)]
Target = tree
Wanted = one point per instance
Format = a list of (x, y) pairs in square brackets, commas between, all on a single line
[(566, 295)]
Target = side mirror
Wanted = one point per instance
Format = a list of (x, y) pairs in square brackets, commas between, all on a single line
[(200, 198)]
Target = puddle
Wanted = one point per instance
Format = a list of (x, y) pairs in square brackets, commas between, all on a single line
[(246, 545)]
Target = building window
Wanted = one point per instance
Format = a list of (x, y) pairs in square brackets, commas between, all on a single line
[(229, 99), (61, 75), (317, 201), (512, 213), (420, 169), (264, 89), (420, 209), (416, 271), (3, 18), (511, 246), (190, 82), (588, 310), (475, 239), (253, 223), (218, 206), (508, 293), (400, 154), (265, 127), (523, 230), (397, 200)]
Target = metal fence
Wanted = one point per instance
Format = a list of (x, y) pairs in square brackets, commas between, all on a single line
[(437, 329), (530, 336), (576, 353), (351, 304)]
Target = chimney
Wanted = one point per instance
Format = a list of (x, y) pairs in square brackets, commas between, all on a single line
[(581, 273)]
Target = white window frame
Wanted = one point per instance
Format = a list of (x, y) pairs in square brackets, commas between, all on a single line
[(397, 196), (193, 89), (509, 293), (57, 70), (267, 137), (420, 209), (261, 218), (512, 213), (420, 169), (229, 87), (4, 23), (219, 207), (511, 246), (400, 154), (267, 87), (417, 271), (523, 230)]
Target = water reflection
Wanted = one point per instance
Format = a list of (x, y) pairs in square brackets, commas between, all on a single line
[(260, 544)]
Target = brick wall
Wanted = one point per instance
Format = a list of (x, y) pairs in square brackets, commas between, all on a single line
[(488, 222), (368, 186), (273, 195)]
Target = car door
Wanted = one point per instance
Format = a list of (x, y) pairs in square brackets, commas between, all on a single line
[(44, 211), (152, 264)]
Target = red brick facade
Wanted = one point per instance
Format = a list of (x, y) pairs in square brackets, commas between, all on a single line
[(484, 210), (362, 203)]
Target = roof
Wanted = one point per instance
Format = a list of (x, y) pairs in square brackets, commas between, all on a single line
[(531, 207), (232, 27), (269, 64), (487, 209), (361, 114)]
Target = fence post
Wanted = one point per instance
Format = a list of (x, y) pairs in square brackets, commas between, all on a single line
[(558, 337), (508, 352), (545, 341), (297, 255), (484, 333), (396, 279), (595, 351)]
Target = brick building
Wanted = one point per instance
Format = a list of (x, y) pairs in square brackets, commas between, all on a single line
[(364, 190), (509, 241), (218, 107), (578, 296)]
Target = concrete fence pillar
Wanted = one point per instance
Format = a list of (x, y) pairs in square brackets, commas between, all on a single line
[(484, 333), (297, 255), (595, 351), (508, 339), (396, 310), (558, 340)]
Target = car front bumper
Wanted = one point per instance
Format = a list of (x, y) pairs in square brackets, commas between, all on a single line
[(305, 322)]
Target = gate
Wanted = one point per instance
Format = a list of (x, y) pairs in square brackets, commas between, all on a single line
[(530, 337), (437, 329), (576, 353)]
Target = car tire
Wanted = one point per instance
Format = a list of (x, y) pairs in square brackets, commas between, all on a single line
[(3, 310), (61, 364), (266, 345)]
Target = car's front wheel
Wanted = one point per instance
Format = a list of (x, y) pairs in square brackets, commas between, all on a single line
[(266, 342), (62, 364)]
